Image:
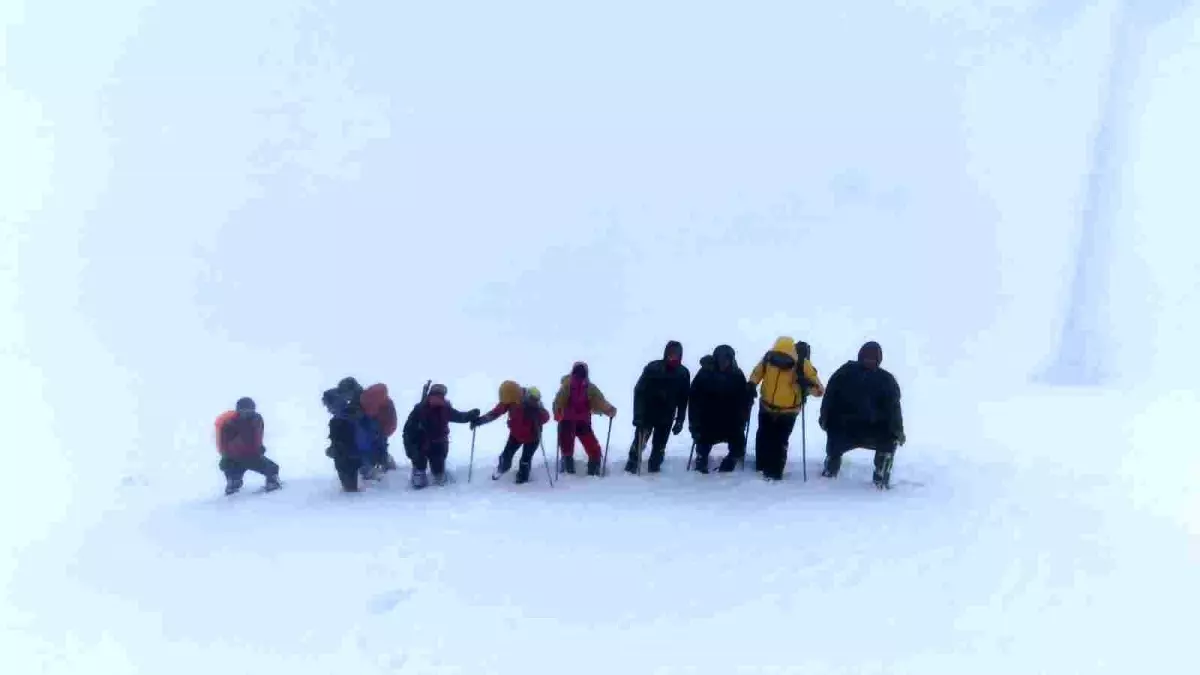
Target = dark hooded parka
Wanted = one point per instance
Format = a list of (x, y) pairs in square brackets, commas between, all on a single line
[(660, 402), (861, 409), (719, 406)]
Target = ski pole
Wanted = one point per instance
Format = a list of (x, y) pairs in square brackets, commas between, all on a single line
[(746, 444), (471, 466), (690, 453), (545, 460), (804, 441), (604, 469)]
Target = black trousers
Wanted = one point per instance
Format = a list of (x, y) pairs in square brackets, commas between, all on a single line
[(431, 455), (736, 439), (770, 442), (528, 450), (839, 442), (236, 467), (347, 471), (658, 435)]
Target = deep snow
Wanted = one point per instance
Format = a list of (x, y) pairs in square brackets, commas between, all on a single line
[(527, 194)]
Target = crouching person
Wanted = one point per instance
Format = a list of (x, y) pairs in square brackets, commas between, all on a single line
[(351, 441), (427, 435), (240, 444), (526, 417), (720, 408), (862, 410)]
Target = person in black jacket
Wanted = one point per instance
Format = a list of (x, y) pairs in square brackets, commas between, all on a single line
[(719, 406), (660, 401), (861, 409), (344, 439), (427, 434)]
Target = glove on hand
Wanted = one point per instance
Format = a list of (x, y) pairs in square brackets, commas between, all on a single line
[(678, 427)]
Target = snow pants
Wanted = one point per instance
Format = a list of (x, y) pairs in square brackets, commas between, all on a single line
[(569, 431), (736, 439), (771, 441), (236, 467), (528, 450), (429, 455), (839, 442), (657, 436)]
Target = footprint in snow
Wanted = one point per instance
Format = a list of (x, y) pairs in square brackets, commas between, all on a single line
[(386, 602)]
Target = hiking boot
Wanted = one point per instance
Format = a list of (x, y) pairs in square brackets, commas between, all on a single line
[(523, 472), (439, 478), (728, 464), (568, 464), (832, 466), (882, 476), (504, 464), (593, 467), (633, 464), (419, 479), (232, 485), (654, 465), (701, 464), (272, 483)]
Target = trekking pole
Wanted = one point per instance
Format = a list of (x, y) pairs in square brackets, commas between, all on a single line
[(545, 460), (746, 444), (604, 469), (471, 466), (804, 441), (690, 453)]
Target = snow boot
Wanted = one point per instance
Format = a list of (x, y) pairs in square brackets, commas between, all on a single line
[(593, 467), (634, 463), (568, 464), (369, 472), (272, 483), (232, 485), (523, 473), (833, 464), (882, 477), (504, 464), (439, 479), (654, 464), (419, 479), (728, 464), (701, 463)]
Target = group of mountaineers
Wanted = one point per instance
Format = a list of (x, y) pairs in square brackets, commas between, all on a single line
[(860, 408)]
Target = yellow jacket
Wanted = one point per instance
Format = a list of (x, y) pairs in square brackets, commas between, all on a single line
[(780, 390)]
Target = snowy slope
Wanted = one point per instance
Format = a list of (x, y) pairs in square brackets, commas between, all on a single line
[(526, 194)]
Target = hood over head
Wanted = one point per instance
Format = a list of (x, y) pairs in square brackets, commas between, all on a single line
[(579, 370), (870, 354), (437, 394), (510, 392), (724, 354), (707, 362), (673, 353), (245, 406)]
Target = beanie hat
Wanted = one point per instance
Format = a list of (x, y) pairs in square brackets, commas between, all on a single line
[(871, 350), (245, 404), (438, 390)]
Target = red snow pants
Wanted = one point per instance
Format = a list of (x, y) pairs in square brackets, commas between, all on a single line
[(569, 431)]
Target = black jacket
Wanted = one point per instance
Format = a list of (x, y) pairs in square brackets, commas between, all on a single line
[(862, 402), (661, 394), (719, 401)]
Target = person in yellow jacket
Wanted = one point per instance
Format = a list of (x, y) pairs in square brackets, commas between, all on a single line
[(784, 379)]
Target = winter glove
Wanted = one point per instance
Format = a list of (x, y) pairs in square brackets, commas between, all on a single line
[(612, 412), (900, 438), (752, 390), (678, 427), (473, 414)]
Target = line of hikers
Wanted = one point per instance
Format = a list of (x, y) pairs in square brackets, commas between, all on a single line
[(860, 408)]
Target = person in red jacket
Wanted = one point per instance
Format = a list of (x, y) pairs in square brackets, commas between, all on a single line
[(240, 444), (526, 417)]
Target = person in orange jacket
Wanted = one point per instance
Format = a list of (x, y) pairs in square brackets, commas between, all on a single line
[(239, 436)]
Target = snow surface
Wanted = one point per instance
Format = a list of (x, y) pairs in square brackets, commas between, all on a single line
[(204, 202)]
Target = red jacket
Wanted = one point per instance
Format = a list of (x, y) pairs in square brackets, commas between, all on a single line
[(524, 423), (378, 406), (239, 436)]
